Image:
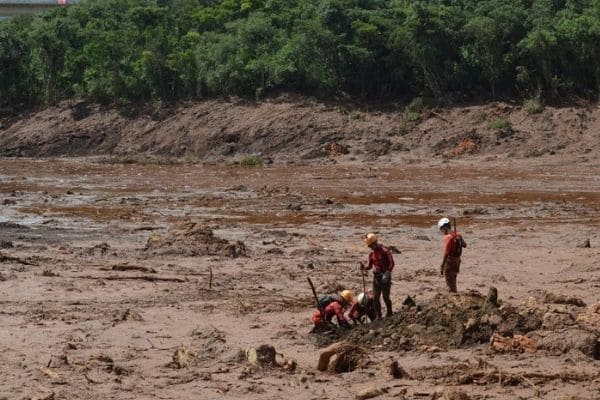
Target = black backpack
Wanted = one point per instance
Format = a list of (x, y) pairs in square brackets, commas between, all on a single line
[(458, 245), (326, 299)]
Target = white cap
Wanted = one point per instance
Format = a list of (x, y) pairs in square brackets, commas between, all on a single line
[(442, 222)]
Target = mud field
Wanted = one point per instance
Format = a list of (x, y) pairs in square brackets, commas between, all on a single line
[(150, 281)]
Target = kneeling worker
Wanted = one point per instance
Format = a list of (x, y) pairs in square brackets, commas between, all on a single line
[(332, 306), (364, 305)]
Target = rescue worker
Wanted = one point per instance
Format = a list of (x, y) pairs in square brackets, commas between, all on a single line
[(382, 263), (364, 305), (322, 317), (453, 244)]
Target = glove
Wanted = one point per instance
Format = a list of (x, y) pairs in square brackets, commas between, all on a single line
[(385, 278)]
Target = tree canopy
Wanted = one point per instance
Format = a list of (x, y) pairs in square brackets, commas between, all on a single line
[(455, 50)]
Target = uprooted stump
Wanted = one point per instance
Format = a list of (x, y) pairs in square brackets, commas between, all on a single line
[(192, 239), (342, 357)]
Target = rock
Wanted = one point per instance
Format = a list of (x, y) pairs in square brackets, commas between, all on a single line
[(585, 244), (370, 392), (6, 244), (263, 355)]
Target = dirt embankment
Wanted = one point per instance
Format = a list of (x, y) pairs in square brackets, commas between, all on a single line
[(288, 128)]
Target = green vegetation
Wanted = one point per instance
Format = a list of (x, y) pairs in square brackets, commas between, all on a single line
[(500, 123), (253, 160), (533, 105), (120, 51)]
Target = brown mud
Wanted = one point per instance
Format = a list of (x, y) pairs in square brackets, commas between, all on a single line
[(156, 281), (295, 129)]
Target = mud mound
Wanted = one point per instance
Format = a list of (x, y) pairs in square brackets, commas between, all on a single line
[(293, 127), (192, 239), (447, 321)]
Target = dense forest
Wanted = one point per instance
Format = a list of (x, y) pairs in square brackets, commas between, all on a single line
[(447, 50)]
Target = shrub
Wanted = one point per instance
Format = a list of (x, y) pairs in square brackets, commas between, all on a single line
[(252, 160), (533, 105), (500, 123)]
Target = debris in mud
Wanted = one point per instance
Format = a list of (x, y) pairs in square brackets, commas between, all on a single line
[(6, 244), (565, 340), (590, 319), (129, 315), (127, 267), (553, 298), (100, 249), (378, 148), (394, 370), (45, 396), (516, 344), (342, 357), (451, 394), (475, 211), (26, 261), (263, 355), (445, 321), (585, 244), (192, 239), (49, 273), (183, 357), (56, 378), (370, 393), (484, 373)]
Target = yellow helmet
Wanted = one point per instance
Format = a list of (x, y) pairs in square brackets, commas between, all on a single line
[(347, 296), (370, 239)]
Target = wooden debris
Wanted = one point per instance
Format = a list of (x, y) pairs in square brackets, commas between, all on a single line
[(148, 278), (516, 344)]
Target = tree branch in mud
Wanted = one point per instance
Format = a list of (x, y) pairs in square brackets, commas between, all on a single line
[(4, 258), (140, 277)]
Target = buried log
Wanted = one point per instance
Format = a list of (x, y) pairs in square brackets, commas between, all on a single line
[(126, 267), (342, 357), (5, 258), (148, 278)]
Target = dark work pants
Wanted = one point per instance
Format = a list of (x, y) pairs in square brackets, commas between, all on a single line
[(379, 288)]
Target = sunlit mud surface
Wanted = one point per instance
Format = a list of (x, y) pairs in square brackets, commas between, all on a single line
[(96, 261)]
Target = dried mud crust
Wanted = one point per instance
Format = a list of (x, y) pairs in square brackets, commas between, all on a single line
[(291, 127)]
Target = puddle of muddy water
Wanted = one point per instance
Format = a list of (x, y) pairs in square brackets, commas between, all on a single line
[(380, 196)]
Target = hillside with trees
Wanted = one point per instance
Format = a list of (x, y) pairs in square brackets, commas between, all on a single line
[(453, 51)]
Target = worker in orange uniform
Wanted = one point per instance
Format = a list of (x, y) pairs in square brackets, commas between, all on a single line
[(382, 263), (453, 245), (332, 306), (363, 306)]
